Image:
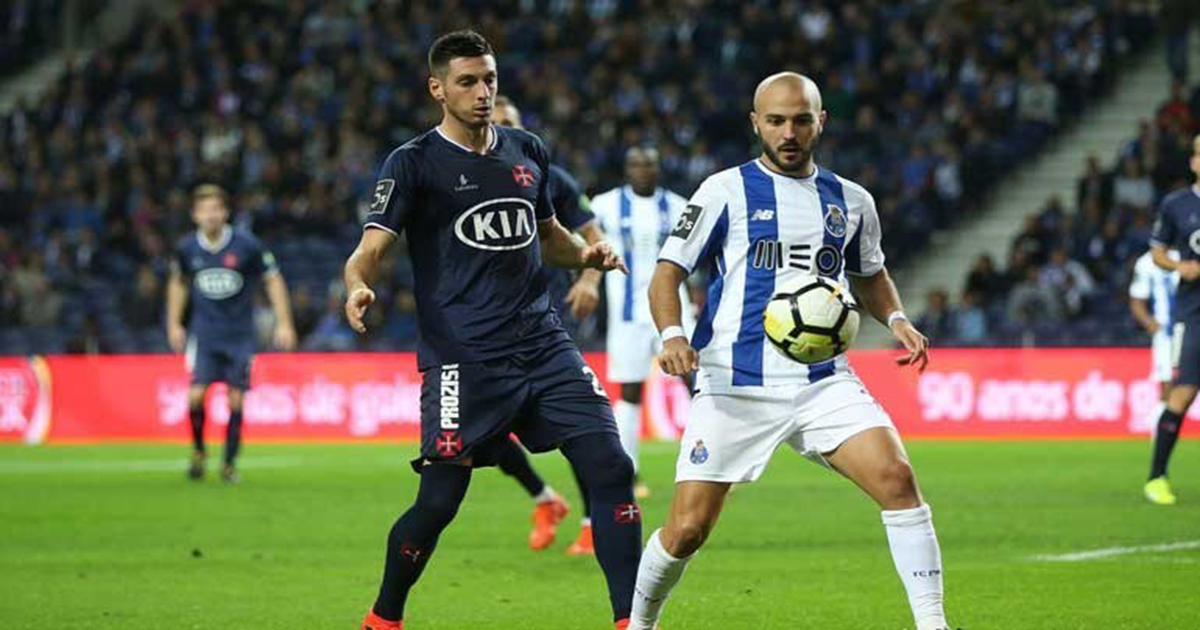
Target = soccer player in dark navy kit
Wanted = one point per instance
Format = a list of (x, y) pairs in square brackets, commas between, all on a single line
[(1178, 228), (472, 199), (217, 269), (574, 300)]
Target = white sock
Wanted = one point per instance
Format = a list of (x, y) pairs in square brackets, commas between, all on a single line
[(547, 494), (629, 425), (585, 522), (919, 562), (657, 575)]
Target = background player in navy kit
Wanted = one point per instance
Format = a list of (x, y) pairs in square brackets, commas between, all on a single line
[(1178, 228), (224, 266), (473, 200), (574, 299)]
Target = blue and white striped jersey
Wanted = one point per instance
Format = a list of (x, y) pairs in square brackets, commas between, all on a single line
[(1157, 285), (636, 227), (754, 228)]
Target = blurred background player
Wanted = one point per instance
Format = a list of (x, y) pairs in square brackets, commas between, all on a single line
[(216, 271), (575, 299), (1178, 228), (1151, 297), (751, 399), (472, 197), (643, 214)]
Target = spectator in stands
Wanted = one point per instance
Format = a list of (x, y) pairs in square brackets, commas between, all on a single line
[(40, 303), (984, 282), (938, 320), (1037, 103), (1132, 187), (142, 307), (1031, 302), (1067, 279), (970, 320), (1094, 185)]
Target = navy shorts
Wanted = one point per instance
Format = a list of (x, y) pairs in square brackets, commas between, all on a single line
[(224, 363), (1185, 348), (545, 396)]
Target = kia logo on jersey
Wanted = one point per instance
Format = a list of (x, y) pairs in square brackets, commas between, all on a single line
[(497, 225), (218, 283), (523, 175)]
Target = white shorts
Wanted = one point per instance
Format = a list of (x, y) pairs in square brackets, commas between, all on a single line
[(1162, 354), (632, 347), (731, 437)]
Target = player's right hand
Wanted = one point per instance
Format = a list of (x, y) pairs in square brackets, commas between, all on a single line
[(1189, 270), (678, 357), (177, 337), (356, 307)]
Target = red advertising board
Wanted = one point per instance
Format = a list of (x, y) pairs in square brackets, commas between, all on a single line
[(968, 393)]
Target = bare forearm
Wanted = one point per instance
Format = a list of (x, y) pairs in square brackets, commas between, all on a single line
[(878, 295), (665, 306), (361, 270), (177, 293), (1142, 314), (561, 248), (277, 293), (591, 233)]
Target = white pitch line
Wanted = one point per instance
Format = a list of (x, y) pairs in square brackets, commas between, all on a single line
[(145, 465), (1097, 554)]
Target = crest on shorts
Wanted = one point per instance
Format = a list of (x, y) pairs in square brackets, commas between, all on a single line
[(448, 444), (699, 453)]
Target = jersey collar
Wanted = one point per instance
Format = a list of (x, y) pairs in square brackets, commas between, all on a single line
[(491, 145), (808, 178), (222, 241)]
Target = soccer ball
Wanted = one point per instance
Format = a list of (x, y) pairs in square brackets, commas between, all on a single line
[(810, 319)]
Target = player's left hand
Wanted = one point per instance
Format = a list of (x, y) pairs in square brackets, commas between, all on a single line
[(601, 256), (285, 338), (583, 297), (914, 342)]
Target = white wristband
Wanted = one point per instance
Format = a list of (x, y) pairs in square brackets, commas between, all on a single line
[(895, 316), (671, 332)]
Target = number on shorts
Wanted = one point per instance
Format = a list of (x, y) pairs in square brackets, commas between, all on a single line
[(596, 387)]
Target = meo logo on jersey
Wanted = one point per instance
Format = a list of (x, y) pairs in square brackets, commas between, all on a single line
[(497, 225), (383, 192)]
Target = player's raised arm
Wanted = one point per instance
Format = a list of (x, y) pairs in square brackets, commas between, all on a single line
[(361, 270), (561, 248)]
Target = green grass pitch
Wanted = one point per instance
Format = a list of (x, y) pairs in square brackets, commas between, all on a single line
[(114, 537)]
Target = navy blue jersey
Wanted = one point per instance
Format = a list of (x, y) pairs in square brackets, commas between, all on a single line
[(574, 211), (472, 226), (222, 279), (1178, 227)]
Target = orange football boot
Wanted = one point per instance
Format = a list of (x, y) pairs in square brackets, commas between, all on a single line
[(546, 517), (583, 545), (375, 622)]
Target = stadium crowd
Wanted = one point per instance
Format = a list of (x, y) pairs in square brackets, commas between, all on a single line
[(1073, 259), (292, 105)]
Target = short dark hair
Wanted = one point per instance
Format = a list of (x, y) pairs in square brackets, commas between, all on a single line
[(210, 191), (466, 43)]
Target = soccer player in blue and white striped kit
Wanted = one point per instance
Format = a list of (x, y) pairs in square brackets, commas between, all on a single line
[(750, 399)]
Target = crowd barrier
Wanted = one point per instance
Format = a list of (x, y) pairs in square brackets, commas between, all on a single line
[(965, 393)]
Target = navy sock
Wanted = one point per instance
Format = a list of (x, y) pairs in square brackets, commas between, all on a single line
[(607, 473), (511, 459), (196, 415), (233, 436), (1165, 437), (415, 534)]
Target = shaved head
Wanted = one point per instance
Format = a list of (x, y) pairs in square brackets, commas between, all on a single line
[(787, 85), (788, 120)]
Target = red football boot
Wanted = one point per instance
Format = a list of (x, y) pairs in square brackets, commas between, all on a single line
[(583, 545)]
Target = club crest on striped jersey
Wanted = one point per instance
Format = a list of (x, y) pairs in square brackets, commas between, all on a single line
[(835, 220)]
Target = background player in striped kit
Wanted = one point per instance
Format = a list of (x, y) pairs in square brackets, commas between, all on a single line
[(639, 216), (750, 399), (1151, 297), (575, 299)]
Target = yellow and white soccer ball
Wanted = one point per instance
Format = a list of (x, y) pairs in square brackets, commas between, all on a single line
[(810, 319)]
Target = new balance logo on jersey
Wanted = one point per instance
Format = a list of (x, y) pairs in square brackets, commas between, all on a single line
[(497, 225), (448, 396), (763, 214)]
